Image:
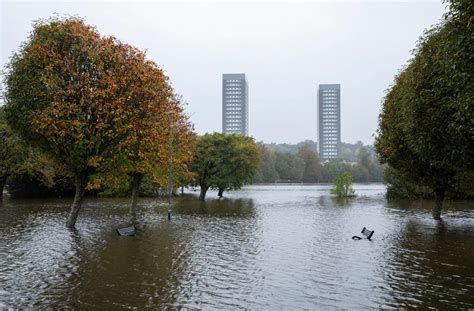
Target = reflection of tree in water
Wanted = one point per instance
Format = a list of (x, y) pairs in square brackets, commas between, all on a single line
[(38, 254), (423, 206), (141, 272), (341, 202), (169, 262), (216, 207), (431, 265), (326, 200), (334, 201), (223, 264)]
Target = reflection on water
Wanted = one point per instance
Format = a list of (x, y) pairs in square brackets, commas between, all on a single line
[(263, 247), (435, 264)]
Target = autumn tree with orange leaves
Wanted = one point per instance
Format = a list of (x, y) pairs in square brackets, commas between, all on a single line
[(83, 99), (159, 145)]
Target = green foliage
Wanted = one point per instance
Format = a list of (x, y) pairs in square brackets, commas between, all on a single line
[(368, 166), (332, 169), (312, 166), (224, 162), (239, 164), (426, 128), (37, 185), (11, 151), (31, 173), (291, 148), (349, 152), (343, 185), (305, 165), (266, 171), (400, 188), (123, 188), (290, 167)]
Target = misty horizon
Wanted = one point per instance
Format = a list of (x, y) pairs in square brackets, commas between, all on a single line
[(285, 49)]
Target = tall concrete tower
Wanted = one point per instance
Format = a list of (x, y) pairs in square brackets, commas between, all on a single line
[(329, 121), (235, 104)]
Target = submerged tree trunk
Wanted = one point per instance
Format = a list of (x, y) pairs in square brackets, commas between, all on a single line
[(204, 189), (439, 197), (136, 181), (3, 181), (80, 181), (220, 193)]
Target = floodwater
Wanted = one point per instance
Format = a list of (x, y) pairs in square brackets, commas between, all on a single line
[(264, 247)]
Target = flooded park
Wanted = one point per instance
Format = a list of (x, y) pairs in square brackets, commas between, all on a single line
[(263, 247)]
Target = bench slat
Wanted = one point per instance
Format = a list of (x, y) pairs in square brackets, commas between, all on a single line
[(127, 231)]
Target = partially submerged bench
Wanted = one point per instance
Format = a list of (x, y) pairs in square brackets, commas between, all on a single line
[(127, 231), (366, 232)]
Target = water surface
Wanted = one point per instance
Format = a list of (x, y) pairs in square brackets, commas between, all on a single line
[(264, 247)]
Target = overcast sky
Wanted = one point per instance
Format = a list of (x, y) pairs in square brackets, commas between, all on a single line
[(286, 49)]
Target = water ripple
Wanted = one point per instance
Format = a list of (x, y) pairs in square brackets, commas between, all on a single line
[(265, 247)]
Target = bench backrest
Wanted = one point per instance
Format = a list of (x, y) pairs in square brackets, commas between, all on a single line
[(368, 233)]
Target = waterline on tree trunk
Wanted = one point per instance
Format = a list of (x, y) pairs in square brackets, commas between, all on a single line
[(439, 197), (202, 195), (76, 205), (136, 181)]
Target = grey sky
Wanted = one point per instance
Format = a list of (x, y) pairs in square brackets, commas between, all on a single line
[(286, 49)]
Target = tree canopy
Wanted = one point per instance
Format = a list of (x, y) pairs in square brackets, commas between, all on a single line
[(312, 166), (84, 99), (266, 171), (224, 162), (426, 128), (343, 185)]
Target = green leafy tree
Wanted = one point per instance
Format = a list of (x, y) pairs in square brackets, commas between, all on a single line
[(266, 171), (289, 166), (223, 162), (40, 176), (206, 162), (400, 188), (343, 185), (312, 166), (11, 152), (426, 128), (240, 164), (349, 151), (332, 169), (365, 163)]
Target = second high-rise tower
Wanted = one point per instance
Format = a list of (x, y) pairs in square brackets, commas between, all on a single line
[(329, 121)]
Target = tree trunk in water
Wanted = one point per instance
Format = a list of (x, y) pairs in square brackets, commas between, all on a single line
[(204, 189), (3, 181), (439, 197), (220, 193), (136, 181), (80, 181)]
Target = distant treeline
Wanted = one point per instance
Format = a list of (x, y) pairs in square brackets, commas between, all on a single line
[(41, 177), (301, 163)]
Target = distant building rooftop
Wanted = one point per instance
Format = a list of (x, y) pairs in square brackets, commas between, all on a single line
[(329, 86), (232, 76)]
